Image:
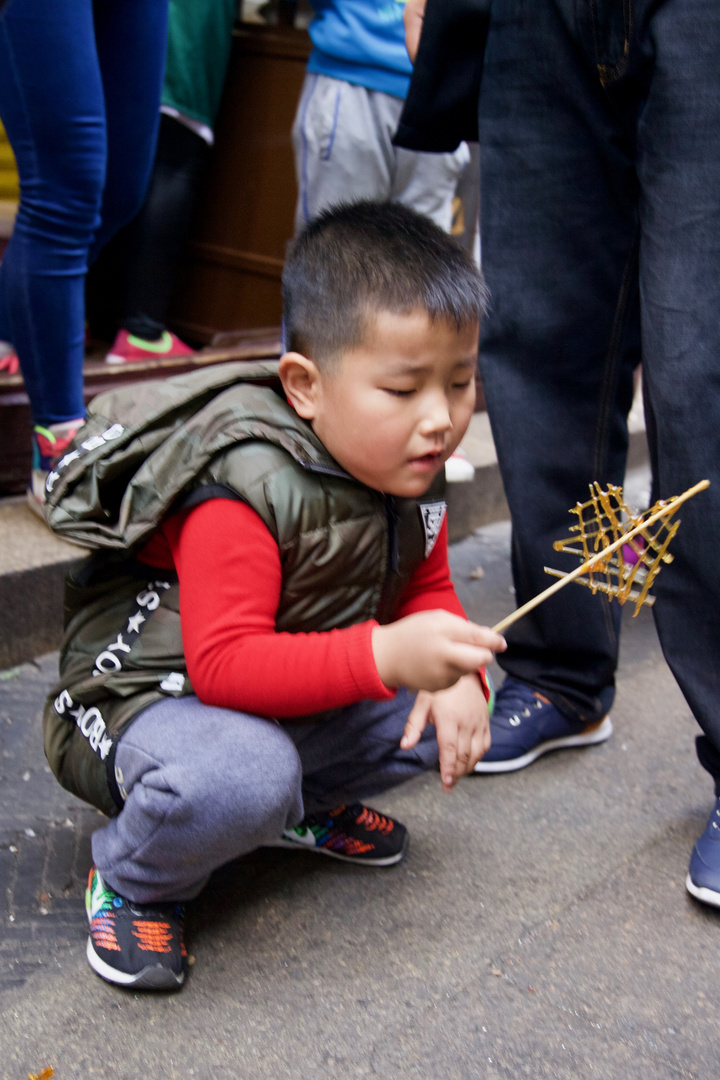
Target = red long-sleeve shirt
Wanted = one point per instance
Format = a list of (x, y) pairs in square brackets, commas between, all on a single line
[(228, 565)]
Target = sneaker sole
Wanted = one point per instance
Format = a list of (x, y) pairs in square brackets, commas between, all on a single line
[(156, 977), (389, 860), (150, 978), (116, 358), (705, 896), (599, 733)]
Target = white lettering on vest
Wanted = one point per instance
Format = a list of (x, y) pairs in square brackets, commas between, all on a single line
[(90, 721), (148, 599), (108, 657), (92, 443), (62, 701)]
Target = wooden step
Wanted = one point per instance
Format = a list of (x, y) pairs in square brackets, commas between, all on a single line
[(15, 417)]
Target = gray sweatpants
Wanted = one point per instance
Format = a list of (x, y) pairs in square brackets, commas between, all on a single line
[(342, 138), (206, 785)]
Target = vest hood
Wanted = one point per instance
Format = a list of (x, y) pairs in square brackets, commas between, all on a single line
[(142, 449)]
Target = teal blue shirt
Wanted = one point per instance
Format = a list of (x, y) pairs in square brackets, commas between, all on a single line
[(361, 42), (199, 43)]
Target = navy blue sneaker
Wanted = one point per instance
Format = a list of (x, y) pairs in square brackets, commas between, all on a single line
[(703, 880), (524, 725)]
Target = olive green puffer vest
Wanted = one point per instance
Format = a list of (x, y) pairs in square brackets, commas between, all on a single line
[(346, 551)]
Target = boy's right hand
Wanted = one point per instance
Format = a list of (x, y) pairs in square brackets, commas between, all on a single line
[(431, 650)]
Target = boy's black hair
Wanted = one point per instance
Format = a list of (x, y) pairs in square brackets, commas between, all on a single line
[(357, 259)]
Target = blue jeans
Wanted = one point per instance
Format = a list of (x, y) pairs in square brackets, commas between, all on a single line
[(600, 154), (80, 91)]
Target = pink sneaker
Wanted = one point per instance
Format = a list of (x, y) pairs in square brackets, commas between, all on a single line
[(49, 445), (126, 348), (9, 362)]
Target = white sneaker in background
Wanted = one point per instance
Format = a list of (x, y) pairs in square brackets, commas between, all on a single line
[(458, 468)]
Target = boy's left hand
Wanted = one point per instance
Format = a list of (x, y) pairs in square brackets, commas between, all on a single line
[(462, 723)]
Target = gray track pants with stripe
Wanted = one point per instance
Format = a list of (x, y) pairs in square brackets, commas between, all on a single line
[(206, 785), (342, 137)]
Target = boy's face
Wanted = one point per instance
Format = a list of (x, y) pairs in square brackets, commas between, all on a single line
[(392, 410)]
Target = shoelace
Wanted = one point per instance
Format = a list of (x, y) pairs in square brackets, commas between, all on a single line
[(372, 820), (519, 702), (102, 930), (153, 936), (329, 830)]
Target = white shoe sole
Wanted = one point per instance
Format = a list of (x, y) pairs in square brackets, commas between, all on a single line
[(156, 977), (705, 896), (596, 733)]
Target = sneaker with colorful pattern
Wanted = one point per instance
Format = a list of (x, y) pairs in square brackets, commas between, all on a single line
[(128, 347), (354, 834), (49, 445), (132, 944)]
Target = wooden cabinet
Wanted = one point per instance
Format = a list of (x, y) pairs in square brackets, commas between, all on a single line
[(230, 276)]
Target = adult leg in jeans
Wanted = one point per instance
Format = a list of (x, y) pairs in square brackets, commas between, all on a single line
[(559, 247), (679, 171), (137, 29), (615, 110), (131, 282), (69, 109)]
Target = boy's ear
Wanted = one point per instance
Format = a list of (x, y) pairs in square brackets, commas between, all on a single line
[(299, 377)]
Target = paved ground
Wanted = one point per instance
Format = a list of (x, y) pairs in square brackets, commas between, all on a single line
[(538, 928)]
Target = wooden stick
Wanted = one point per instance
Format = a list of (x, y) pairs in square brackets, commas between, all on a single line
[(599, 557)]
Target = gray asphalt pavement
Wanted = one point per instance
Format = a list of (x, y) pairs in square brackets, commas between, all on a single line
[(539, 926)]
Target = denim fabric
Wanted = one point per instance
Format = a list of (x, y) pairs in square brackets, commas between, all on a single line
[(79, 98), (132, 279), (600, 157)]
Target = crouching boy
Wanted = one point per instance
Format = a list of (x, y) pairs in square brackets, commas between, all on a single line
[(267, 630)]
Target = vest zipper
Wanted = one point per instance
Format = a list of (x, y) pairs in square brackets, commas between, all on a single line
[(393, 558), (393, 563), (392, 517)]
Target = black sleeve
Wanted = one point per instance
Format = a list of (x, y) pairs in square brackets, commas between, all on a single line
[(442, 103)]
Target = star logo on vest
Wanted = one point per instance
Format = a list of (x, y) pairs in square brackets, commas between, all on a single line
[(433, 515)]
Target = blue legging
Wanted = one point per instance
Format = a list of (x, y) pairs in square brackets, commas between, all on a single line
[(80, 91)]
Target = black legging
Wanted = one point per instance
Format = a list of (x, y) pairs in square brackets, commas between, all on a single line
[(131, 284)]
